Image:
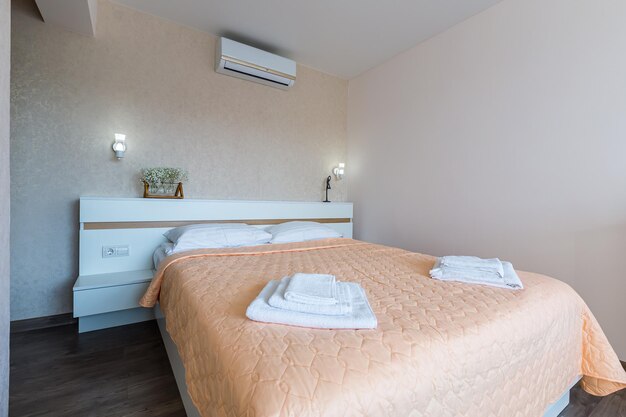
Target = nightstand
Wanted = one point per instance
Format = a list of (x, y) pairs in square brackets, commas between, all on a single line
[(109, 300)]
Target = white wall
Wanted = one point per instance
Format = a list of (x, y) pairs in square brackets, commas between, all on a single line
[(5, 59), (504, 136), (153, 80)]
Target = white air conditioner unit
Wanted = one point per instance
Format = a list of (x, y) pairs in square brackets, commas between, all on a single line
[(252, 64)]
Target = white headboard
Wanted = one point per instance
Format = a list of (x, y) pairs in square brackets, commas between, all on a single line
[(139, 223)]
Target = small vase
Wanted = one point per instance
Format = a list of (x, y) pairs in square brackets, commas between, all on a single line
[(163, 190)]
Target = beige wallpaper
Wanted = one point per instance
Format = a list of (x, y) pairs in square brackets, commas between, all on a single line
[(5, 46), (154, 81), (504, 136)]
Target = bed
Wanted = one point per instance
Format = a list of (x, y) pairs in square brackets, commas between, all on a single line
[(440, 349)]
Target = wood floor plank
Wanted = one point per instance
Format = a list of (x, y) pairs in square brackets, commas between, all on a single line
[(124, 372), (587, 405), (116, 372), (613, 405), (581, 404)]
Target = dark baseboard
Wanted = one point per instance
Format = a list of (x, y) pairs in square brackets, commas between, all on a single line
[(20, 326), (623, 365)]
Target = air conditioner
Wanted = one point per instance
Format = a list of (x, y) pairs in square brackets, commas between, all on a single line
[(252, 64)]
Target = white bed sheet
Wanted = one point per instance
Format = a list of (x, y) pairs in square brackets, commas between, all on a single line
[(160, 253)]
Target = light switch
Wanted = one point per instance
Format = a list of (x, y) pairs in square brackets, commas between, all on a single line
[(122, 251)]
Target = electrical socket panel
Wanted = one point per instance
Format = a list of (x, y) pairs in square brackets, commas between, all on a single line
[(115, 251)]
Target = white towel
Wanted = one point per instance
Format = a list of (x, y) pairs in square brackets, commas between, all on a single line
[(440, 271), (509, 281), (362, 316), (473, 262), (312, 289), (342, 307)]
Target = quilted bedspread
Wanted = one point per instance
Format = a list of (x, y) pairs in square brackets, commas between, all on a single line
[(440, 349)]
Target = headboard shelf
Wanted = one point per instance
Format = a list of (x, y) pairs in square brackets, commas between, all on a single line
[(139, 224), (112, 210)]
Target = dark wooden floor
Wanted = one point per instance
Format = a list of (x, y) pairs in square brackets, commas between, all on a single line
[(125, 372), (116, 372), (585, 405)]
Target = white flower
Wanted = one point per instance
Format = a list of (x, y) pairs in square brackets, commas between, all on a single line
[(158, 176)]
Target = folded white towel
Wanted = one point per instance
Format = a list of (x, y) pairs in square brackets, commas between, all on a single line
[(440, 271), (320, 289), (342, 307), (362, 316), (509, 281), (473, 262)]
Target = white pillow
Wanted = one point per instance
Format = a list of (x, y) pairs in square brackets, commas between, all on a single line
[(226, 235), (300, 232), (161, 253)]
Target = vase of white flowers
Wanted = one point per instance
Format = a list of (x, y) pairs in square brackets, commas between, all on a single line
[(163, 182)]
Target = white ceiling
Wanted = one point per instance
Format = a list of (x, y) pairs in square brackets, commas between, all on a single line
[(340, 37)]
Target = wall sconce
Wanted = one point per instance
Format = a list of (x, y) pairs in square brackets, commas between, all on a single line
[(119, 147), (339, 170)]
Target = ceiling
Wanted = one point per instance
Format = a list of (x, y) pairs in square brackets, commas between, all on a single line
[(340, 37)]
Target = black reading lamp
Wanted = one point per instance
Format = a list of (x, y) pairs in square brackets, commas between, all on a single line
[(338, 171), (327, 188)]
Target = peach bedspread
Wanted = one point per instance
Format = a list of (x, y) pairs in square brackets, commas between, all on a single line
[(441, 349)]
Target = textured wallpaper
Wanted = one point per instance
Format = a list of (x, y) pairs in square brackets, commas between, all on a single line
[(154, 81), (5, 45)]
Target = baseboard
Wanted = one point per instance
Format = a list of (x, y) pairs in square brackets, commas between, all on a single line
[(623, 365), (20, 326)]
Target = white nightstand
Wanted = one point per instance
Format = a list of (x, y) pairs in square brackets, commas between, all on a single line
[(109, 300)]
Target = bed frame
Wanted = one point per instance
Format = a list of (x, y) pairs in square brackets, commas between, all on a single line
[(140, 223)]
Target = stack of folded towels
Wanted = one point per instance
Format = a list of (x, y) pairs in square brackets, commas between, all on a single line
[(313, 300), (473, 270)]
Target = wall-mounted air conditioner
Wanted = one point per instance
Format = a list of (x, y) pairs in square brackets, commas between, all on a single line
[(252, 64)]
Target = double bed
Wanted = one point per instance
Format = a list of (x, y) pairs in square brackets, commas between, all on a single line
[(440, 348)]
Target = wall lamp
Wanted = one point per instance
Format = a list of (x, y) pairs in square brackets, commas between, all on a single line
[(119, 146), (339, 170)]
